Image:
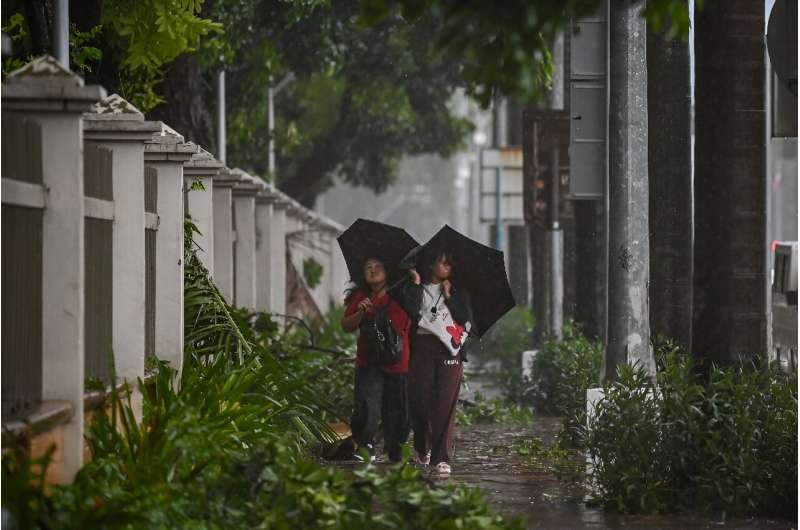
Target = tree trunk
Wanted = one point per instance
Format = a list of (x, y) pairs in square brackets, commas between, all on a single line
[(670, 175), (188, 102), (309, 179), (39, 15), (629, 249), (730, 313)]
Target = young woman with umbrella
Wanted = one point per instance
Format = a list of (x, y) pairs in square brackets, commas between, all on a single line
[(372, 252), (448, 274)]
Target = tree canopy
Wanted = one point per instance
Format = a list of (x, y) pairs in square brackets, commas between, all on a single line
[(361, 97), (372, 79)]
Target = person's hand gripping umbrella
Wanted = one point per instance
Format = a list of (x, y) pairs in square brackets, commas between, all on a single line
[(479, 269)]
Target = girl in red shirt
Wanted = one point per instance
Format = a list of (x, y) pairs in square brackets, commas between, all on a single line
[(380, 391)]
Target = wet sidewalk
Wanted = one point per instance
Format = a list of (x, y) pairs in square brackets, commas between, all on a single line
[(489, 456)]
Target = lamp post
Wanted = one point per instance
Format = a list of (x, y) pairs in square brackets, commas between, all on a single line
[(271, 93)]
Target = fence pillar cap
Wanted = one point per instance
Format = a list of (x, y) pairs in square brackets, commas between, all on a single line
[(202, 164), (45, 85), (114, 118), (168, 145)]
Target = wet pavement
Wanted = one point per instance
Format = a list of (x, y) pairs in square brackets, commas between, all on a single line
[(511, 465), (519, 484)]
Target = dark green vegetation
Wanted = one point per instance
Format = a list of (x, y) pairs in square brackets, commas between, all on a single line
[(228, 447), (372, 80), (561, 373), (505, 48), (360, 98), (728, 443)]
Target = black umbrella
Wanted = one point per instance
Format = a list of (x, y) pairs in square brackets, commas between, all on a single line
[(366, 239), (479, 269)]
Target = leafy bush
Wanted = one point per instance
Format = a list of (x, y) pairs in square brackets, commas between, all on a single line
[(561, 373), (507, 339), (225, 449), (495, 410), (312, 272), (726, 443)]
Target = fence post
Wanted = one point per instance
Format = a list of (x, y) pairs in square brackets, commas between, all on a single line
[(166, 153), (264, 287), (118, 126), (244, 200), (277, 255), (51, 99), (223, 233), (198, 175)]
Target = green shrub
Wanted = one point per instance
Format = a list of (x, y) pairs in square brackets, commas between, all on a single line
[(506, 341), (561, 373), (726, 443), (226, 449)]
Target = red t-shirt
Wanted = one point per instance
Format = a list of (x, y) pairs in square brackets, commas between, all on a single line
[(401, 322)]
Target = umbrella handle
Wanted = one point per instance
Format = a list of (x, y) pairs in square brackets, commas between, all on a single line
[(397, 283)]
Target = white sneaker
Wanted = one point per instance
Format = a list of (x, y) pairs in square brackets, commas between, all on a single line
[(359, 458), (423, 460), (442, 468)]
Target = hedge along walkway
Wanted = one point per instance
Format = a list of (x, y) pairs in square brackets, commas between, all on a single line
[(489, 456)]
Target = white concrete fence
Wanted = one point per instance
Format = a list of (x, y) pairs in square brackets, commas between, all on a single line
[(93, 202)]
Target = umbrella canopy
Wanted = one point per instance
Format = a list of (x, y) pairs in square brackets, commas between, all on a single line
[(479, 269), (366, 239)]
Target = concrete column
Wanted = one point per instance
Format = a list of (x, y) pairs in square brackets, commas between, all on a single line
[(223, 234), (166, 153), (629, 252), (117, 125), (202, 168), (30, 92), (277, 257), (263, 253), (244, 200)]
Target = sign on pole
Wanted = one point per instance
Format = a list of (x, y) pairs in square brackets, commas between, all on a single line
[(588, 106), (503, 164)]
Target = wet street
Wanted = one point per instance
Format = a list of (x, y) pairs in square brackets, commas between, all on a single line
[(519, 484)]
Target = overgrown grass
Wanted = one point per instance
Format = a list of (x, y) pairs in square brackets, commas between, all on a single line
[(725, 444), (225, 448)]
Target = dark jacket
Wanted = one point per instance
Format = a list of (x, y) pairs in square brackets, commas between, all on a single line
[(459, 304)]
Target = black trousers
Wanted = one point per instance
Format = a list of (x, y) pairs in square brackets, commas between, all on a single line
[(381, 399)]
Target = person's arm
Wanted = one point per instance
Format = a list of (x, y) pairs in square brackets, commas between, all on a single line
[(351, 320), (412, 295), (460, 307)]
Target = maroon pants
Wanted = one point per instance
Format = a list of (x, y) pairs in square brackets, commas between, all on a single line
[(434, 379)]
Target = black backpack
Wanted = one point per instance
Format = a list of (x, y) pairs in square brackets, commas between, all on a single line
[(383, 344)]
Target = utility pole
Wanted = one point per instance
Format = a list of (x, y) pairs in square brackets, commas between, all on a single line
[(271, 93), (221, 132), (629, 242), (499, 140), (271, 127), (554, 237), (61, 32)]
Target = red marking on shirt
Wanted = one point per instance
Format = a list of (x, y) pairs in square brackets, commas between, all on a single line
[(456, 331)]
